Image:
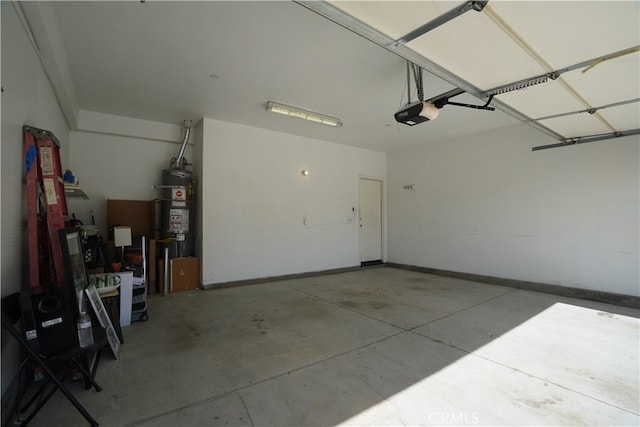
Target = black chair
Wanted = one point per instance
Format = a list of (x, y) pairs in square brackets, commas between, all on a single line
[(56, 368)]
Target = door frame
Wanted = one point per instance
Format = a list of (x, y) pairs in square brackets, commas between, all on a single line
[(383, 216)]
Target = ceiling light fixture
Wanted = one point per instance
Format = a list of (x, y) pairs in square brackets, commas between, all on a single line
[(300, 113)]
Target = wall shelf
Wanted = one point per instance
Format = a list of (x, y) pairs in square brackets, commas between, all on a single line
[(73, 191)]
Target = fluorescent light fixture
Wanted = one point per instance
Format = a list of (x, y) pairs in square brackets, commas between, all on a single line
[(299, 113)]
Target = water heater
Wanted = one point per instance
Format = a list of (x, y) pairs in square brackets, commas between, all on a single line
[(178, 205), (178, 211)]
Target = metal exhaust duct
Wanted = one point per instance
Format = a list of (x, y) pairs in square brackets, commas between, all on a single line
[(180, 161)]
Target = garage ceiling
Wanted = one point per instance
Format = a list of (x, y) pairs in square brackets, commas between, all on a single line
[(169, 61), (586, 52)]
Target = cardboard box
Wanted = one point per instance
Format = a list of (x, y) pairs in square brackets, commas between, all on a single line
[(184, 274)]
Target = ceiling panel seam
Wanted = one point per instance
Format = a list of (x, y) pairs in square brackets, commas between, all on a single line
[(583, 101), (585, 139), (589, 110), (517, 38)]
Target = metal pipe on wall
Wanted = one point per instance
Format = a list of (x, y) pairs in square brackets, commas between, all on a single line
[(165, 282), (187, 132)]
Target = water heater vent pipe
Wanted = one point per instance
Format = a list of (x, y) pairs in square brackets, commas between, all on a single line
[(180, 162)]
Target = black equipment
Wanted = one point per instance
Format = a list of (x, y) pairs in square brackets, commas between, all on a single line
[(55, 367), (54, 326)]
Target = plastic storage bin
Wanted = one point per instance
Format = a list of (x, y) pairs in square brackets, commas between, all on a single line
[(139, 303)]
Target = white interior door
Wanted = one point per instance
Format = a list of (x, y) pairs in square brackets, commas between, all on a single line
[(370, 220)]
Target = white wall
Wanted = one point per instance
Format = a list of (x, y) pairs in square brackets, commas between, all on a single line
[(117, 166), (255, 203), (27, 100), (489, 205)]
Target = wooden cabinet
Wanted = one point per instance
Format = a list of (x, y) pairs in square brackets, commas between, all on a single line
[(141, 216)]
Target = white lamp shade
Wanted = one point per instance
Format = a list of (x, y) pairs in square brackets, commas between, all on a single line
[(122, 236)]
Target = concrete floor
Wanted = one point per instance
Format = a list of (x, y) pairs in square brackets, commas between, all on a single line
[(378, 346)]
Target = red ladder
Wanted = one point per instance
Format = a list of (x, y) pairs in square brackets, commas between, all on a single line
[(46, 207)]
